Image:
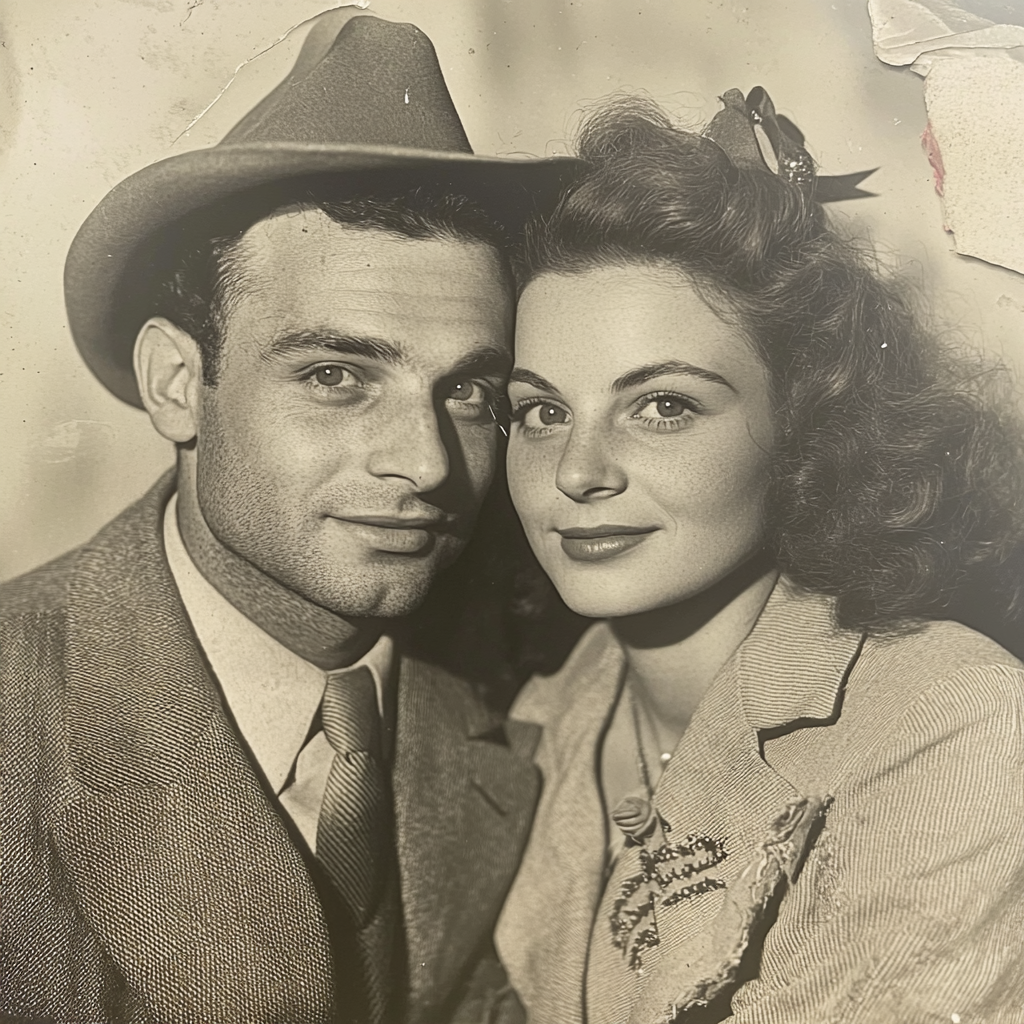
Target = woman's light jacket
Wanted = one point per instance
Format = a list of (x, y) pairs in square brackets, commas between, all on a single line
[(860, 798)]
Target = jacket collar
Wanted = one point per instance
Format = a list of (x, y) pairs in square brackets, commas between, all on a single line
[(792, 667), (174, 851)]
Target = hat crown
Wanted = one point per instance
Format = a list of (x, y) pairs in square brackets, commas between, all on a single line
[(379, 84)]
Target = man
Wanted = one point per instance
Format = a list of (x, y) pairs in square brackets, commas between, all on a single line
[(228, 795)]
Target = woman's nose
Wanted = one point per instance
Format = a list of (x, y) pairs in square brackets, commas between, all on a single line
[(587, 470)]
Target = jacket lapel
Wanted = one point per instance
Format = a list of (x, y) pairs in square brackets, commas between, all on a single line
[(544, 932), (719, 790), (170, 846), (465, 791)]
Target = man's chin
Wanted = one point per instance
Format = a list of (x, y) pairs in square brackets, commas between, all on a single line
[(376, 594), (366, 584)]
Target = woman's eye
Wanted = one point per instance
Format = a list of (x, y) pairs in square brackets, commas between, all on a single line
[(665, 411), (331, 376), (664, 408), (542, 415)]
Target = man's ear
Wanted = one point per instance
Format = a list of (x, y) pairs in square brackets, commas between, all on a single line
[(168, 369)]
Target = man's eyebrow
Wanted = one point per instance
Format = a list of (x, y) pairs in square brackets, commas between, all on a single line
[(489, 360), (535, 380), (642, 374), (308, 341)]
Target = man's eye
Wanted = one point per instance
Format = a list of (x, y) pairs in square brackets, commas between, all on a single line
[(468, 392), (331, 376)]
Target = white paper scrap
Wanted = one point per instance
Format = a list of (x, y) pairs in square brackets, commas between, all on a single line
[(974, 91)]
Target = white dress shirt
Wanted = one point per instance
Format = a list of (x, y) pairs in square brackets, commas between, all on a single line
[(271, 692)]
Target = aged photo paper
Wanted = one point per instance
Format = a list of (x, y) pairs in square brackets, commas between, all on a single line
[(695, 741)]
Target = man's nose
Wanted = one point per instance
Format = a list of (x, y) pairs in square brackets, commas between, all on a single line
[(587, 470), (408, 445)]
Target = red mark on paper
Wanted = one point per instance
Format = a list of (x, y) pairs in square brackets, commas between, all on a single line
[(931, 149)]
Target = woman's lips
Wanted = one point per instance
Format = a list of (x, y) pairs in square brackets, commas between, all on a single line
[(595, 544)]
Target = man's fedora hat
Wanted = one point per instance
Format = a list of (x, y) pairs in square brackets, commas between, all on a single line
[(372, 102)]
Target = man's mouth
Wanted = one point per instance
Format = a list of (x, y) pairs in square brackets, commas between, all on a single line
[(400, 535), (402, 522), (597, 543)]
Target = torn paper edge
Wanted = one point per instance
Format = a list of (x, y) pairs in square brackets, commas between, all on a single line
[(360, 4)]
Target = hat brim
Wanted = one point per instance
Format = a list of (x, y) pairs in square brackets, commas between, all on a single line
[(109, 243)]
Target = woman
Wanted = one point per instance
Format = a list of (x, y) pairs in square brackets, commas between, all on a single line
[(776, 787)]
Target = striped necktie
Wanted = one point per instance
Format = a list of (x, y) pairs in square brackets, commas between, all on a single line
[(355, 833)]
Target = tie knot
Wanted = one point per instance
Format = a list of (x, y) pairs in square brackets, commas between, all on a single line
[(350, 714)]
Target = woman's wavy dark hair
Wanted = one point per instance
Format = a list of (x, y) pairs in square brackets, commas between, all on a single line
[(898, 467)]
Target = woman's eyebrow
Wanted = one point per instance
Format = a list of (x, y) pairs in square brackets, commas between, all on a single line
[(642, 374), (535, 380)]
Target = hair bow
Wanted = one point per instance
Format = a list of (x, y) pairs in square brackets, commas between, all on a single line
[(735, 130)]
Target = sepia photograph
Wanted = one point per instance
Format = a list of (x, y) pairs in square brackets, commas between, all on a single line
[(512, 512)]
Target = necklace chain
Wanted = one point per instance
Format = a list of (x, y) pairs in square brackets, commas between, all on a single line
[(638, 733), (641, 760)]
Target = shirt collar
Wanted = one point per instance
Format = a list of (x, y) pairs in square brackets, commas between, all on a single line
[(272, 693)]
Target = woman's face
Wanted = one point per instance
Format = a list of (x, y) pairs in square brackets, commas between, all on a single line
[(641, 438)]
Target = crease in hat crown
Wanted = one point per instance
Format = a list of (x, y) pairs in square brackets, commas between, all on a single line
[(352, 96), (374, 99)]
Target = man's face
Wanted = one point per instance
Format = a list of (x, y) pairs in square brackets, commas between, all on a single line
[(349, 440)]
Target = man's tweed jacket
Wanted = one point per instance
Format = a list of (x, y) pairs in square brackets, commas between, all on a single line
[(896, 767), (146, 875)]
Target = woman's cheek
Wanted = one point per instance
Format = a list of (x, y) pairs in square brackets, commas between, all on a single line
[(528, 480)]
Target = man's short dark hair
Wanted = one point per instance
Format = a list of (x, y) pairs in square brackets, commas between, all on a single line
[(194, 274)]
